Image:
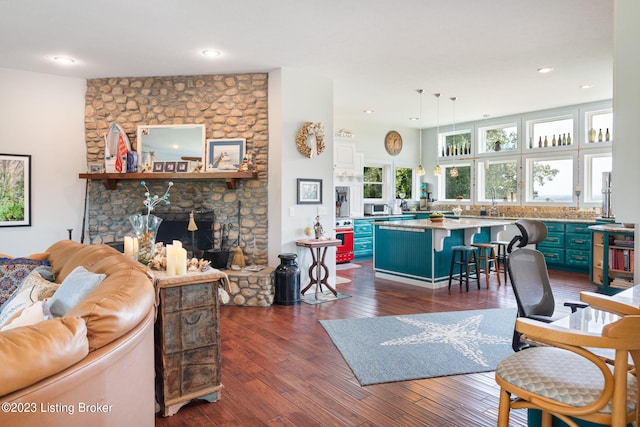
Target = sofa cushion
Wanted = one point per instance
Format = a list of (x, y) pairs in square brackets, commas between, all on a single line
[(12, 272), (119, 304), (40, 287), (32, 353), (86, 256), (73, 289), (19, 302)]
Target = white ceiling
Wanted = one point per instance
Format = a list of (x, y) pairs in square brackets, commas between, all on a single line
[(378, 52)]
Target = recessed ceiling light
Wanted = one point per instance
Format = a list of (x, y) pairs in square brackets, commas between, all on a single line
[(414, 119), (586, 86), (368, 111), (211, 53), (544, 70), (64, 60)]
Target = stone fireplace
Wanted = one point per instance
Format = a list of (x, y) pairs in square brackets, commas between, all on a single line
[(230, 106)]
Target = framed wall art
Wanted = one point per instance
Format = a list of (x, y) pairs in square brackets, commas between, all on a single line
[(15, 197), (224, 154), (309, 191), (158, 166), (182, 166)]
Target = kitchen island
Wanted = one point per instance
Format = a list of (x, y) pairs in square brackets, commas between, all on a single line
[(418, 252)]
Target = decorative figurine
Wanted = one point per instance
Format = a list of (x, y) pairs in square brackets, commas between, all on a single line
[(317, 227)]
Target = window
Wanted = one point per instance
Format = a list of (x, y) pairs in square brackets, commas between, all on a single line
[(498, 138), (595, 166), (455, 143), (550, 180), (599, 126), (404, 183), (457, 186), (550, 132), (375, 182), (498, 180)]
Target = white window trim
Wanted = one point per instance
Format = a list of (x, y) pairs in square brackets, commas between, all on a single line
[(482, 142), (586, 183), (442, 181), (387, 181), (480, 172), (415, 185), (527, 187)]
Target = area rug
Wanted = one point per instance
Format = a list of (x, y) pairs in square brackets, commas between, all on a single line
[(325, 296), (400, 348), (347, 266), (342, 280)]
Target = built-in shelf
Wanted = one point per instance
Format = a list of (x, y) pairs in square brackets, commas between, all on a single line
[(110, 180)]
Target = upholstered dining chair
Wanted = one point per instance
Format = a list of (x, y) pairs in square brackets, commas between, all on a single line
[(529, 277), (566, 380)]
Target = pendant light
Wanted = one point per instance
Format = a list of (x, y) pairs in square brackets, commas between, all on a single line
[(420, 170), (453, 172), (437, 171)]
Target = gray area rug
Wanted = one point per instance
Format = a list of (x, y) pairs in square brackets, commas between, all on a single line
[(409, 347)]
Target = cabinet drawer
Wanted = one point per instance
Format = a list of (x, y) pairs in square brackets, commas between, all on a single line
[(552, 255), (555, 227), (363, 229), (191, 371), (580, 242), (553, 240), (188, 296), (577, 258), (577, 228), (189, 329), (362, 244)]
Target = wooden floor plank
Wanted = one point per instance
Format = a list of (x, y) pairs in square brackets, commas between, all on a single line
[(281, 368)]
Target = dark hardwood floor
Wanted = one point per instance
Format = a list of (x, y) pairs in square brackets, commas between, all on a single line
[(281, 368)]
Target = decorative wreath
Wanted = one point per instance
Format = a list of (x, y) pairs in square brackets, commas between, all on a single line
[(307, 130)]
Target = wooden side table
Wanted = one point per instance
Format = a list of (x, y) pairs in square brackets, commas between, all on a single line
[(318, 249), (187, 339)]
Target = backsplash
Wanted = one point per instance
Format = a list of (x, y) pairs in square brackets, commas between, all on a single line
[(557, 212)]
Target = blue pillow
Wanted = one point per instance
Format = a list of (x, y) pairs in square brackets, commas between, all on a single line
[(73, 289), (12, 272)]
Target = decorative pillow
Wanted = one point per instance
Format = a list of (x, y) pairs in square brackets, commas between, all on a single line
[(46, 272), (40, 288), (12, 272), (20, 301), (73, 289), (30, 315)]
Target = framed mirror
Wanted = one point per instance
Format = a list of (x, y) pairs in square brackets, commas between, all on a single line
[(170, 143)]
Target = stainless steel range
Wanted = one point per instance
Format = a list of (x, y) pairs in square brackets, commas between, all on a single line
[(344, 232)]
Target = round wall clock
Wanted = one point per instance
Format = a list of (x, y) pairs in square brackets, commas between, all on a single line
[(393, 142)]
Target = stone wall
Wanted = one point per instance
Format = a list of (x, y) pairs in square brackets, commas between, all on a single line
[(230, 106)]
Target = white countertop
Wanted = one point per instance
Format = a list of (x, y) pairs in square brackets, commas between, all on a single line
[(447, 224)]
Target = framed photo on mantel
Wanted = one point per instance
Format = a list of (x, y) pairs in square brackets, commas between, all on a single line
[(15, 199)]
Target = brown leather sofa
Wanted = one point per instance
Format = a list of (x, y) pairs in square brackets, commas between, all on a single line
[(93, 366)]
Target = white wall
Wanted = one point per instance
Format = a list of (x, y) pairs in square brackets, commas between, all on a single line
[(43, 115), (295, 98), (626, 109)]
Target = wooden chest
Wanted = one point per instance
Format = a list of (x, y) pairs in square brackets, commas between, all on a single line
[(187, 340)]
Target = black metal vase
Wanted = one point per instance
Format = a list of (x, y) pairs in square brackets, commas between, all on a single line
[(287, 281)]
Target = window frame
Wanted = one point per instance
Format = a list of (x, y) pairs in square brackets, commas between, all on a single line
[(527, 181), (415, 186), (481, 145), (386, 172), (442, 190), (481, 178), (586, 182)]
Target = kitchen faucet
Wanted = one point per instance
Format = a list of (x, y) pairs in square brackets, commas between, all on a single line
[(494, 210)]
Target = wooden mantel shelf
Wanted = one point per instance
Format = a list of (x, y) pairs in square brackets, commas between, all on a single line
[(110, 180)]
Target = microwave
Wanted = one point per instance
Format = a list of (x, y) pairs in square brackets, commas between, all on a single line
[(376, 209)]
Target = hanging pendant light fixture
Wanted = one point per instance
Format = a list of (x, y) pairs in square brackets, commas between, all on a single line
[(420, 170), (437, 171), (453, 172)]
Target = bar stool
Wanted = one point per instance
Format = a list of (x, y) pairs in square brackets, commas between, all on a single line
[(468, 259), (488, 260), (501, 255)]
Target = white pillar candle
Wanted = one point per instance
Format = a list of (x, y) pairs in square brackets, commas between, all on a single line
[(177, 243), (171, 260), (181, 261), (128, 246), (136, 248)]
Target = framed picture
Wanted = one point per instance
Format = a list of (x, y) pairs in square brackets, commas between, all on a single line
[(182, 166), (170, 167), (158, 166), (15, 199), (309, 191), (95, 167), (224, 154)]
